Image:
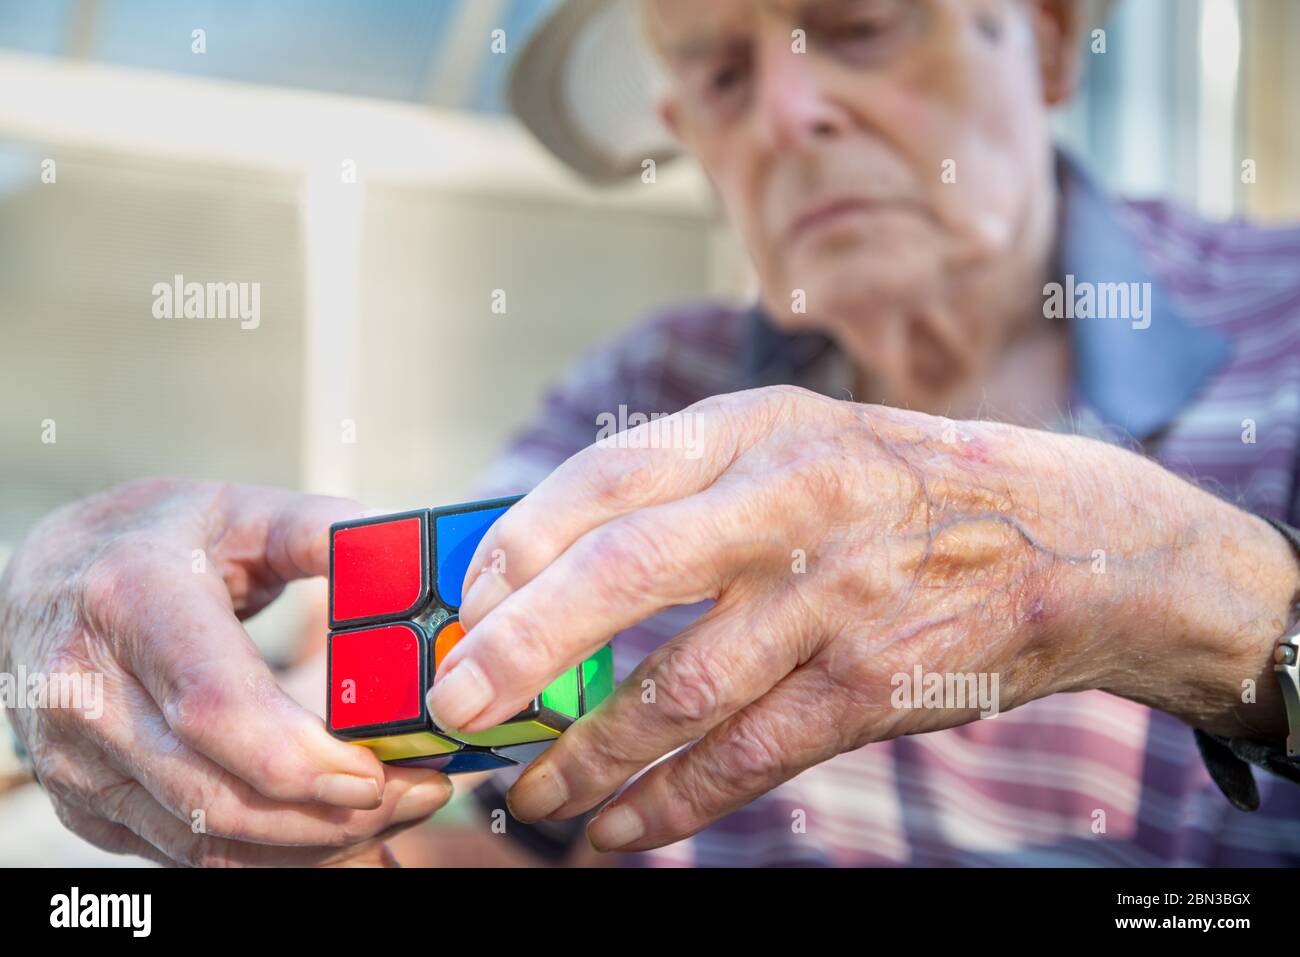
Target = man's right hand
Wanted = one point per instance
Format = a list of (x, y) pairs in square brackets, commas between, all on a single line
[(196, 756)]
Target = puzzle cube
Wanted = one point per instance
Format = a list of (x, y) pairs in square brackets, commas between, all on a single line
[(394, 596)]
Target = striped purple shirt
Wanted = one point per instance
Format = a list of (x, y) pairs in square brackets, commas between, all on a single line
[(1211, 388)]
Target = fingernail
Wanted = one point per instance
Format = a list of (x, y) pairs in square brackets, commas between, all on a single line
[(538, 794), (421, 801), (615, 827), (348, 790), (458, 696)]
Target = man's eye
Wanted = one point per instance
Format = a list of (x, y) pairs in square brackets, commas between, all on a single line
[(864, 39), (859, 30), (725, 89), (727, 78)]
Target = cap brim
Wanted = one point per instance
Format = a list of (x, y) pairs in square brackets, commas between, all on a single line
[(586, 84)]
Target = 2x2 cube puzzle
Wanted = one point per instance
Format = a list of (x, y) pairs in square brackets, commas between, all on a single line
[(394, 597)]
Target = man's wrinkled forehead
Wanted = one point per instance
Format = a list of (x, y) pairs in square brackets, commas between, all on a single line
[(682, 30)]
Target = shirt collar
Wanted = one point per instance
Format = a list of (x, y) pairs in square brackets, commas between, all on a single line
[(1137, 379), (773, 357), (1134, 379)]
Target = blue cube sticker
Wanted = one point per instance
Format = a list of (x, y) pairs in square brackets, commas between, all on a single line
[(456, 536)]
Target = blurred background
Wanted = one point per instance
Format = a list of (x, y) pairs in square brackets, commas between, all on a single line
[(377, 320)]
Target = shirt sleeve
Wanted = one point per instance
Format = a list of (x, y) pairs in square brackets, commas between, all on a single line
[(1229, 760)]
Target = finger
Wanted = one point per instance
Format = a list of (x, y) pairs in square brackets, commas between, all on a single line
[(141, 745), (719, 665), (613, 577), (71, 773), (783, 733), (663, 460), (100, 802), (177, 635), (128, 804), (267, 537), (106, 835)]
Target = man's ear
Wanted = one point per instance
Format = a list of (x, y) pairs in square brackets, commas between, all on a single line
[(1058, 34)]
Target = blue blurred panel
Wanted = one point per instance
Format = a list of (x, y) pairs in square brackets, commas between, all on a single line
[(521, 17), (20, 167), (346, 46), (35, 27), (455, 538)]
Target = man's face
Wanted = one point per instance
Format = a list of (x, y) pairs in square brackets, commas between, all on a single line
[(884, 160)]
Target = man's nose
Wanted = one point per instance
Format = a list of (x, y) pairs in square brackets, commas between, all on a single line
[(792, 109)]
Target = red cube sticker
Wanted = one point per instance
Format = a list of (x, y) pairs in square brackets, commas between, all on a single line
[(378, 569), (376, 677)]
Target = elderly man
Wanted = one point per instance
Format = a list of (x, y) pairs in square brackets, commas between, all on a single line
[(796, 576)]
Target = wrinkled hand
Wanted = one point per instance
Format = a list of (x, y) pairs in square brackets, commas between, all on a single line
[(190, 752), (844, 546)]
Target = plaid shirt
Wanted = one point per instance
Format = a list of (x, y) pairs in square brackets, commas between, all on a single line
[(1222, 353)]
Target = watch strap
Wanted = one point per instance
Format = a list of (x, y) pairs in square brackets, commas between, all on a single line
[(1286, 659)]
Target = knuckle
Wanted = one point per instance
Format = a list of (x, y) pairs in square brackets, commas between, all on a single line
[(190, 704), (783, 401), (784, 393), (72, 670), (114, 583), (521, 552), (151, 488), (825, 476), (61, 780), (690, 689), (115, 801), (742, 763), (630, 558), (621, 478), (748, 753), (274, 772)]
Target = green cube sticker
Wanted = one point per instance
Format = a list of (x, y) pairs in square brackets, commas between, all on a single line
[(597, 678), (562, 694)]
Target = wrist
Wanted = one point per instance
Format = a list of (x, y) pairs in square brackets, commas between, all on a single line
[(1195, 633)]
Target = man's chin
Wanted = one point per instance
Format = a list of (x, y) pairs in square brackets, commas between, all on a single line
[(853, 288)]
